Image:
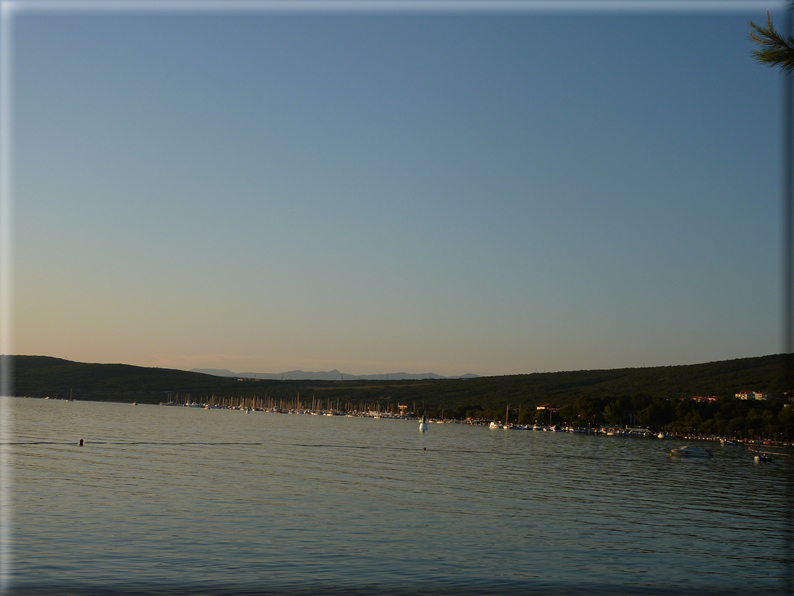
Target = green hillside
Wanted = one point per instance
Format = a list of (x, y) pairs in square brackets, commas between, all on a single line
[(40, 376)]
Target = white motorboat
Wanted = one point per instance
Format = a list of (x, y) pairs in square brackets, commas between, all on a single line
[(690, 452), (494, 425)]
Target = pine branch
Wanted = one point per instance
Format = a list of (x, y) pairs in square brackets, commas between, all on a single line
[(775, 49)]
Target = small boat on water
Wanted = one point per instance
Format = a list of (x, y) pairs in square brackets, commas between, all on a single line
[(690, 452), (494, 425), (763, 457)]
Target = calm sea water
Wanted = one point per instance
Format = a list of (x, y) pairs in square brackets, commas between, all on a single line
[(179, 500)]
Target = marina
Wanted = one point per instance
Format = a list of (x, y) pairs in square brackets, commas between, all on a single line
[(253, 405)]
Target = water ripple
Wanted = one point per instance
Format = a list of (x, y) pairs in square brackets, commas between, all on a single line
[(207, 501)]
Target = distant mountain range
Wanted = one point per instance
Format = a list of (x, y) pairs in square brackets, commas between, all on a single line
[(331, 375)]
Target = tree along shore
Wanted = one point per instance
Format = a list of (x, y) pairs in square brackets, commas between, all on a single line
[(725, 417)]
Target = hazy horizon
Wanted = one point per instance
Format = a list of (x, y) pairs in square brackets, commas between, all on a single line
[(488, 193)]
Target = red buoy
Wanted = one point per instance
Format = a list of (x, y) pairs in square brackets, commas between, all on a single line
[(81, 442)]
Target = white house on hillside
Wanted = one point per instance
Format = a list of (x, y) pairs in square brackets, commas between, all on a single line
[(753, 395)]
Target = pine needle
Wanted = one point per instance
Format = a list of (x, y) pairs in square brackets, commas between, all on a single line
[(775, 49)]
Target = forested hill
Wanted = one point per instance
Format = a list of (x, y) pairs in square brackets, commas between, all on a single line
[(40, 376)]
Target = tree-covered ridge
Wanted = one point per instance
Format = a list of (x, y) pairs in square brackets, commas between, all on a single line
[(39, 376)]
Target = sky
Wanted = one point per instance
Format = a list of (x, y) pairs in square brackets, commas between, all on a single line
[(488, 192)]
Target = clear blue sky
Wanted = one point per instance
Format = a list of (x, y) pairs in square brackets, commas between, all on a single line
[(484, 193)]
